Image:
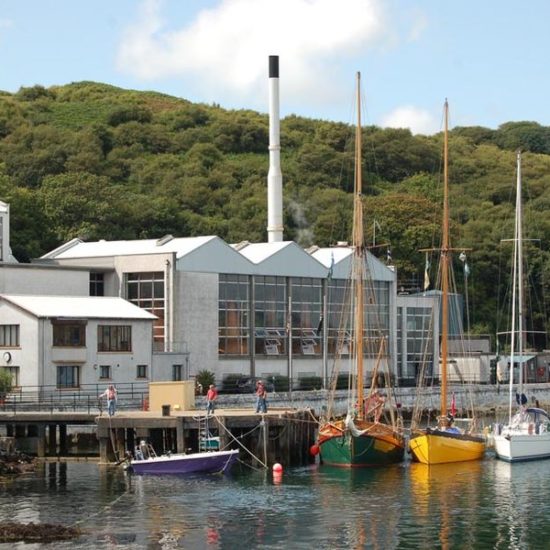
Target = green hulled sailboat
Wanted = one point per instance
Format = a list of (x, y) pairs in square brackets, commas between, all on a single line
[(361, 438)]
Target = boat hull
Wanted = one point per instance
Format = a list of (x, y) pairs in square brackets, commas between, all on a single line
[(435, 447), (518, 447), (381, 446), (207, 463)]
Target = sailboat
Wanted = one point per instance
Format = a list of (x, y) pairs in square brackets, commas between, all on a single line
[(360, 439), (526, 436), (444, 443)]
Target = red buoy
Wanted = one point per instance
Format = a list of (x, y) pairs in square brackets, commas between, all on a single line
[(277, 467), (314, 450)]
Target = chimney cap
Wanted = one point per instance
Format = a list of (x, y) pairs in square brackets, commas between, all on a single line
[(273, 66)]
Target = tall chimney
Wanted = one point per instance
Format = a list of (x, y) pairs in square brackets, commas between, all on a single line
[(274, 176)]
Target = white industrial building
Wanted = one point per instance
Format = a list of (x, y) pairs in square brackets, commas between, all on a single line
[(250, 309)]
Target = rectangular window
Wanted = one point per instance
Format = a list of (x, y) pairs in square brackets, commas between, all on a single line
[(114, 338), (233, 307), (146, 290), (142, 371), (69, 333), (97, 284), (177, 373), (9, 336), (68, 376), (270, 315), (105, 371)]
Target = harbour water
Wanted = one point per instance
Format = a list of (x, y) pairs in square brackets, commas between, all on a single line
[(486, 504)]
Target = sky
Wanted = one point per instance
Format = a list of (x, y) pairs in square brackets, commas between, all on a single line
[(490, 58)]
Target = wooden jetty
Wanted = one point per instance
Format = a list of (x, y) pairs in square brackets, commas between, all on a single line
[(282, 435)]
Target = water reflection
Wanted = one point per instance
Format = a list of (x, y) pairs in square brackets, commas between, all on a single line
[(480, 504), (444, 502)]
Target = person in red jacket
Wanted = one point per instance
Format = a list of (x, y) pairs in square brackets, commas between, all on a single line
[(211, 396)]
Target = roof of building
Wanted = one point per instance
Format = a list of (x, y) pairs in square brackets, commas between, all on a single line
[(80, 249), (90, 307), (339, 257), (284, 258)]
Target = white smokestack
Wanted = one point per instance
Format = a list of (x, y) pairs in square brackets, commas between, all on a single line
[(274, 176)]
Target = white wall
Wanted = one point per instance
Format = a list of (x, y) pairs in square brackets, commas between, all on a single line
[(196, 319), (26, 355), (52, 281)]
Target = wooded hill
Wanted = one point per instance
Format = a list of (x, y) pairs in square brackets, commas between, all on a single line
[(98, 162)]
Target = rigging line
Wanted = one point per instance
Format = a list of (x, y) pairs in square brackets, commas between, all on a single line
[(100, 511), (239, 443)]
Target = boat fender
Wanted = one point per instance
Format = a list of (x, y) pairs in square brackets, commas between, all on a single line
[(314, 450)]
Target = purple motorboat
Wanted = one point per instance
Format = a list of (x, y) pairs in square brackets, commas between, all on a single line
[(213, 462)]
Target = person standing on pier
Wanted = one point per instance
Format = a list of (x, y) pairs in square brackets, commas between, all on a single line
[(211, 396), (111, 394), (261, 397)]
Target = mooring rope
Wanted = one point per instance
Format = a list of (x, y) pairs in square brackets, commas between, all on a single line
[(239, 443)]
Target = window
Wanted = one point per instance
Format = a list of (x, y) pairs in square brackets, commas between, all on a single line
[(114, 338), (233, 306), (68, 376), (14, 373), (270, 315), (97, 284), (69, 333), (9, 336), (177, 371), (105, 371), (142, 371), (146, 290), (306, 316)]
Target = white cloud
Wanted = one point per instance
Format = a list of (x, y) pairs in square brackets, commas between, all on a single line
[(224, 49), (418, 120)]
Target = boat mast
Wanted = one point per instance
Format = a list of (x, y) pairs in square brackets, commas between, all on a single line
[(358, 252), (445, 260), (517, 290)]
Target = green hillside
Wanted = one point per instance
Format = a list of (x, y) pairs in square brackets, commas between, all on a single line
[(99, 162)]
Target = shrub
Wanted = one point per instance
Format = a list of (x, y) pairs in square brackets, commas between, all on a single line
[(205, 378), (6, 382)]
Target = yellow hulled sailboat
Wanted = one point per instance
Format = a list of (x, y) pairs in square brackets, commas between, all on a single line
[(444, 443)]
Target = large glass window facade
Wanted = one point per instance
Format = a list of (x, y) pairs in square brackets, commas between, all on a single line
[(146, 290), (419, 343), (307, 304), (270, 315), (234, 305), (376, 317), (271, 298)]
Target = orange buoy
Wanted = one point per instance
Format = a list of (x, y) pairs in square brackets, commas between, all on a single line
[(277, 467), (314, 450)]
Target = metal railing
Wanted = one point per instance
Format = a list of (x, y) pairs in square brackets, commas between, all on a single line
[(82, 399)]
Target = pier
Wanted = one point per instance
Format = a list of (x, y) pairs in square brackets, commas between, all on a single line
[(281, 435)]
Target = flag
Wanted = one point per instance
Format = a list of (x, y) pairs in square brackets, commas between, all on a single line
[(427, 274), (453, 405)]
